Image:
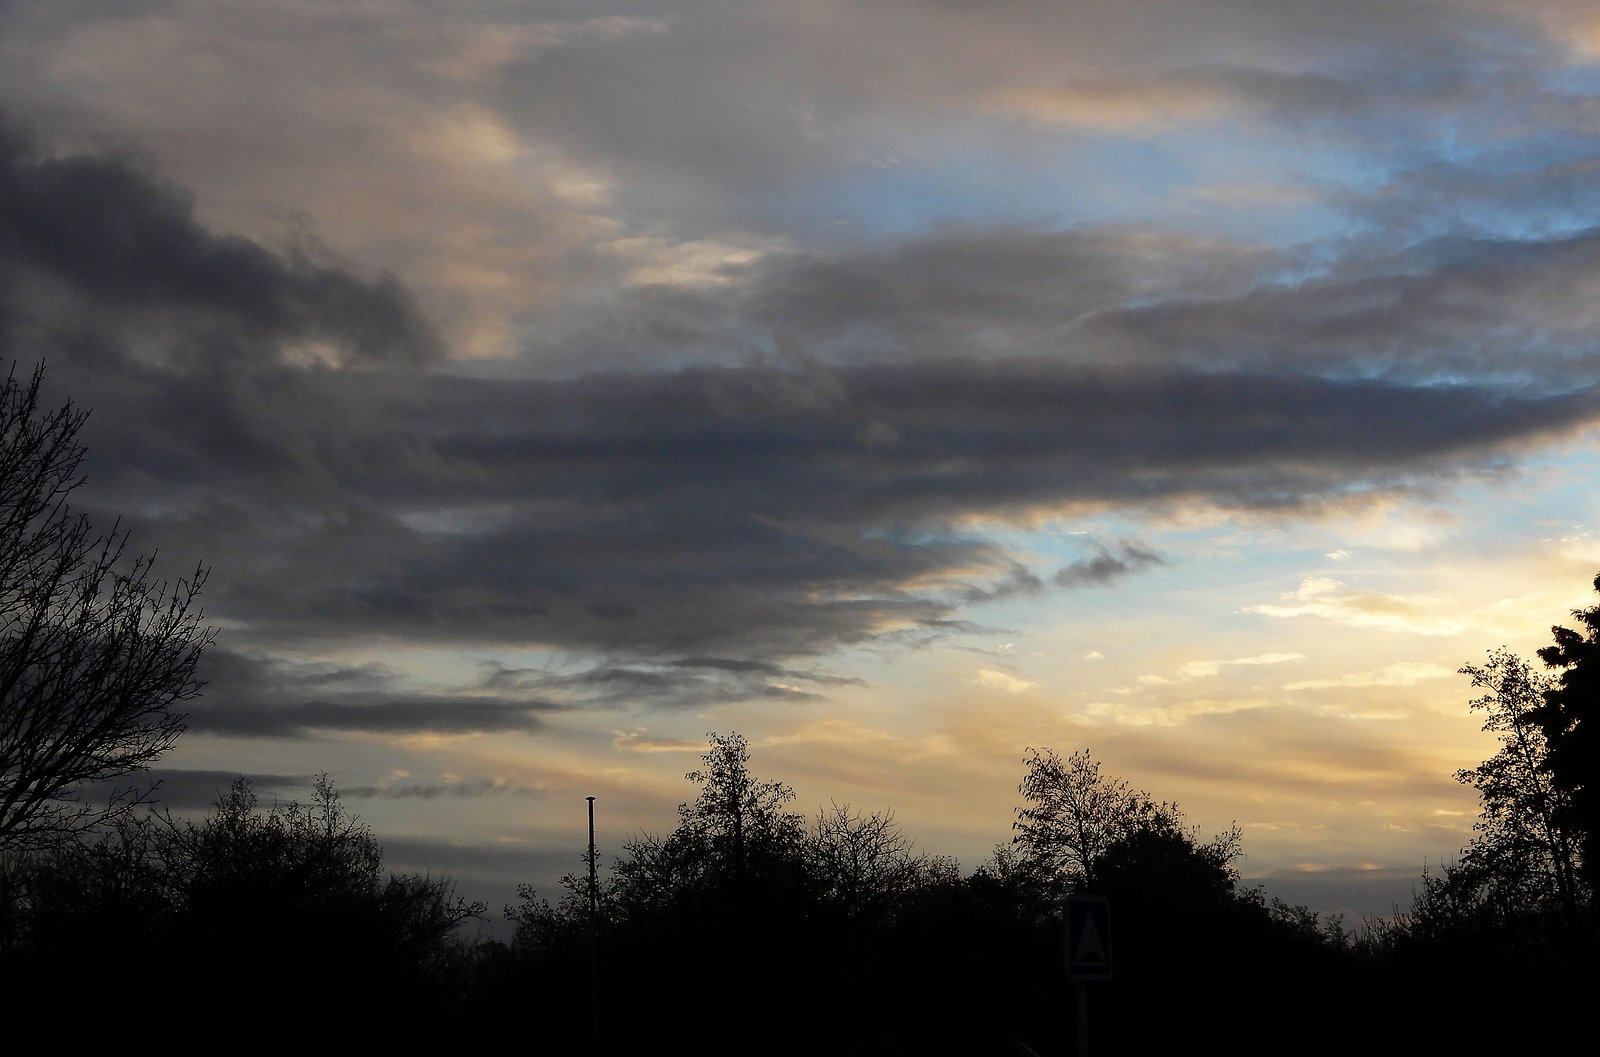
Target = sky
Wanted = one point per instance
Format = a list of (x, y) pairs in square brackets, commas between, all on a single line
[(900, 383)]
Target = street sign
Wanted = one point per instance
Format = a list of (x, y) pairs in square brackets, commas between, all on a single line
[(1088, 938)]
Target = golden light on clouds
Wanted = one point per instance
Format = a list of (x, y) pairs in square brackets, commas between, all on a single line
[(1328, 599), (1001, 681), (1403, 673), (1114, 104)]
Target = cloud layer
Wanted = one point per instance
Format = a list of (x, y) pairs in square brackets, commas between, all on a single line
[(748, 513)]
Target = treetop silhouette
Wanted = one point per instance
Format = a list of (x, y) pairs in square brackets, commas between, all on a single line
[(96, 654), (1569, 718), (1074, 820)]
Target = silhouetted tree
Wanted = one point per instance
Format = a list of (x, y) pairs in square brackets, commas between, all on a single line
[(1570, 721), (1187, 940), (312, 872), (95, 654), (735, 838), (1462, 929), (736, 842), (864, 866), (95, 899), (1163, 862), (704, 910), (1523, 858), (1517, 896), (1073, 816), (740, 820)]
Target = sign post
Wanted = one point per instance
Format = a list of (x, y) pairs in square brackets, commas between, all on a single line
[(1088, 953)]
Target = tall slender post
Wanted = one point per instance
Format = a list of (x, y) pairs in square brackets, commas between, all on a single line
[(594, 888), (594, 928), (1083, 1019)]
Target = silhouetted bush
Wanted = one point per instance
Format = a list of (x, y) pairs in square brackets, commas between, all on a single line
[(244, 901)]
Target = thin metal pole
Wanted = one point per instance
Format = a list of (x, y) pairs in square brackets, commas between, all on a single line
[(594, 888), (594, 957), (1083, 1019)]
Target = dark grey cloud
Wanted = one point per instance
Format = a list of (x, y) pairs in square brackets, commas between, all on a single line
[(99, 232), (190, 791), (667, 527), (1452, 302), (1018, 580), (715, 511), (497, 861), (972, 291), (690, 682), (387, 714), (1107, 565), (725, 664), (471, 789), (1456, 308), (187, 791), (263, 698), (1543, 191)]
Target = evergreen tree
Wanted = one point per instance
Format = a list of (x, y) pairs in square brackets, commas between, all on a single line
[(1570, 721)]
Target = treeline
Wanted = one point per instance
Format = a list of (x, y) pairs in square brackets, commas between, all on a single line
[(1503, 945), (271, 923), (747, 926), (750, 927)]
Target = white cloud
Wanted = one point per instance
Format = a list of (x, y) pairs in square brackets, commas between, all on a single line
[(1319, 596), (1120, 104), (1268, 658), (639, 741), (652, 261), (1206, 669), (1169, 715), (1001, 681), (1406, 673)]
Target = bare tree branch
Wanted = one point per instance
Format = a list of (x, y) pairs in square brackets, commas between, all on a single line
[(95, 652)]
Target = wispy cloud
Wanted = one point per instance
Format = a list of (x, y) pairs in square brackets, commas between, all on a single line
[(1203, 669), (1107, 566), (1174, 715), (1328, 599), (456, 788), (1403, 673), (639, 741), (1001, 681)]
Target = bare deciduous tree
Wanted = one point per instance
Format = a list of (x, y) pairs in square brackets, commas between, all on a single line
[(866, 865), (1074, 815), (1090, 832), (95, 653)]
